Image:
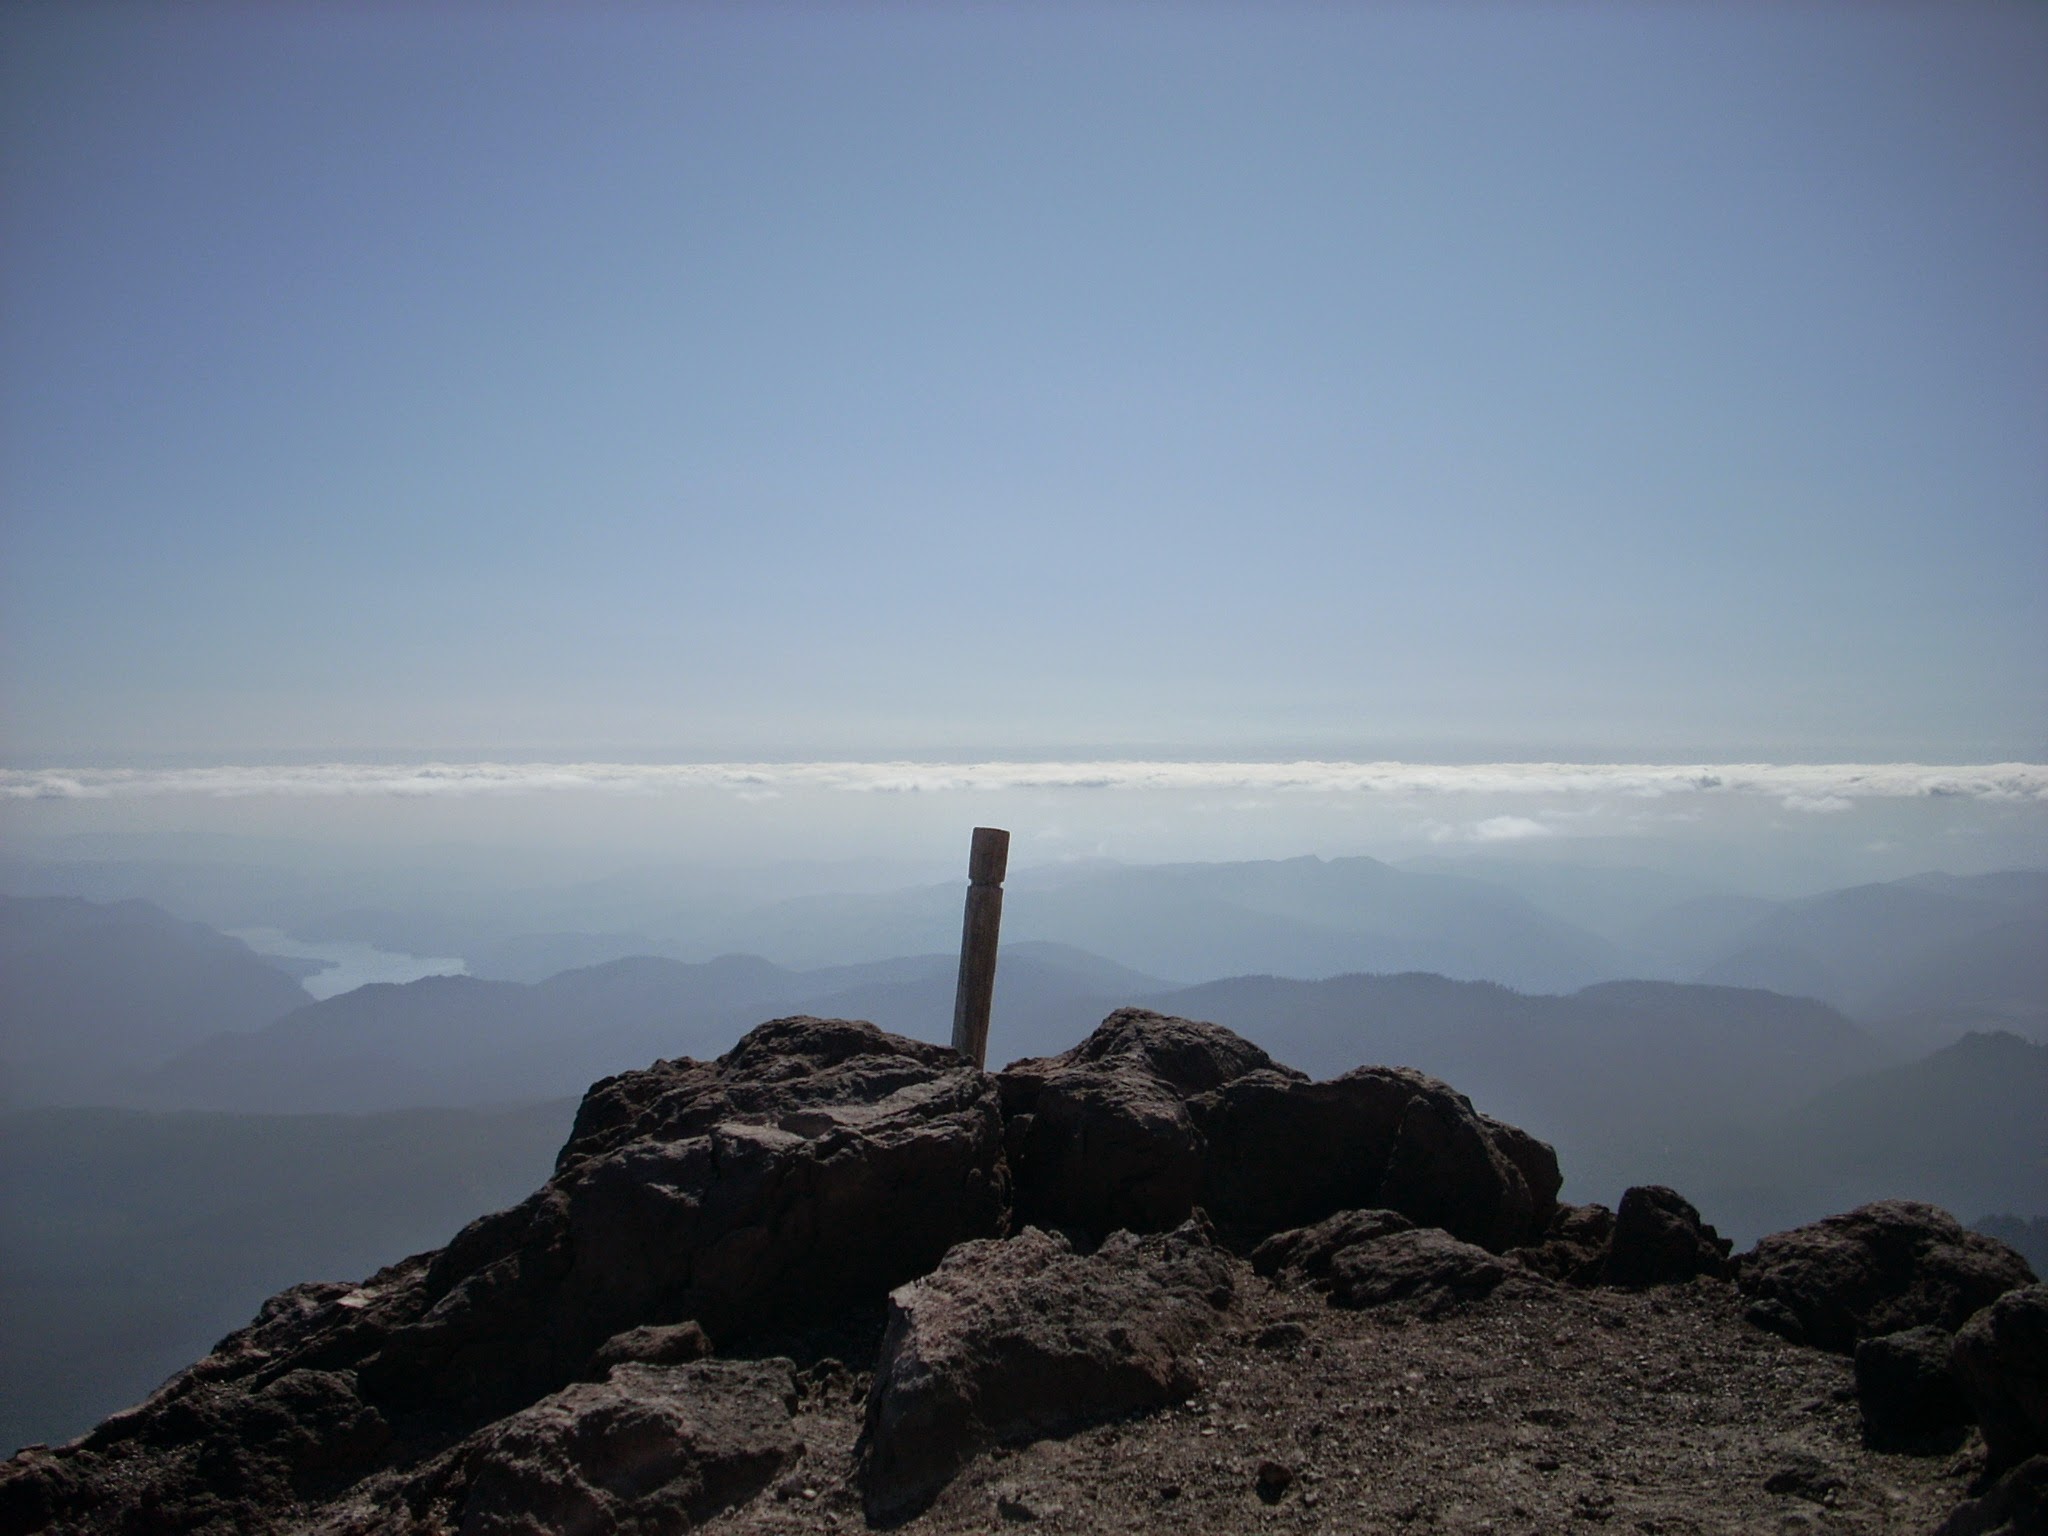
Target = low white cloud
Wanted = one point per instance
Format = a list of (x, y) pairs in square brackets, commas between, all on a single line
[(1809, 787), (1509, 829), (1819, 805)]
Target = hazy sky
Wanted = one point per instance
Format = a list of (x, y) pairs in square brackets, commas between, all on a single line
[(1655, 382)]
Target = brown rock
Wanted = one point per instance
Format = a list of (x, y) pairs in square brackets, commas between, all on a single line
[(1574, 1247), (1305, 1254), (1284, 1153), (653, 1449), (1151, 1117), (1877, 1269), (1426, 1266), (675, 1344), (1019, 1340), (806, 1172), (2000, 1361), (2016, 1504), (1909, 1397), (1101, 1137), (1659, 1239)]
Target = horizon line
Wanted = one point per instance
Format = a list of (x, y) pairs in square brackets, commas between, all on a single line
[(1803, 786)]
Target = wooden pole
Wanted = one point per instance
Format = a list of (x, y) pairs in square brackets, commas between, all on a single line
[(985, 868)]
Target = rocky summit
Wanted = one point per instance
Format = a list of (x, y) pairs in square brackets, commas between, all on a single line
[(839, 1278)]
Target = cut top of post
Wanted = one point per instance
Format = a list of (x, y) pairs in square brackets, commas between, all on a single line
[(990, 858)]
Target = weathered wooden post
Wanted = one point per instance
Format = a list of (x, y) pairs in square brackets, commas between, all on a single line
[(985, 869)]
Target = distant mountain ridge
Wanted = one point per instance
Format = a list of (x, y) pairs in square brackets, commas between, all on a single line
[(84, 986)]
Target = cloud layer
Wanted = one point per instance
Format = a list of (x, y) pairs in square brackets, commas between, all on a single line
[(1821, 787)]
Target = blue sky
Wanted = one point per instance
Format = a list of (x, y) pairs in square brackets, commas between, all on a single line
[(1440, 382)]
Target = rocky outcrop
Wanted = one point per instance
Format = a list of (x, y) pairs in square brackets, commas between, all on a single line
[(1151, 1117), (1659, 1239), (590, 1358), (2000, 1361), (1908, 1396), (1880, 1268), (812, 1168), (1016, 1340)]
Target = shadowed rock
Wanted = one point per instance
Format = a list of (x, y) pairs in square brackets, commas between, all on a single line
[(2016, 1504), (1426, 1266), (806, 1172), (1575, 1245), (1659, 1239), (1103, 1137), (653, 1449), (1305, 1254), (1152, 1116), (1878, 1269), (1371, 1258), (2000, 1362), (1018, 1340), (1909, 1398), (675, 1344)]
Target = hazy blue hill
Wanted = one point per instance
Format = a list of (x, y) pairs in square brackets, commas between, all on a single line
[(90, 993), (1607, 898), (134, 1240), (536, 956), (1299, 917), (460, 1040), (431, 1041), (1961, 1127), (1777, 967), (1319, 917), (1891, 948), (1682, 941), (2001, 970)]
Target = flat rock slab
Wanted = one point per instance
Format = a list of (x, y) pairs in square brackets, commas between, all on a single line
[(1426, 1266), (1878, 1269), (1008, 1342)]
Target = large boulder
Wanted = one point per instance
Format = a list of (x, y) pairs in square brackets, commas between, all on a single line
[(1103, 1136), (2000, 1360), (802, 1175), (649, 1451), (1283, 1152), (1659, 1239), (1019, 1340), (1152, 1116), (1878, 1269)]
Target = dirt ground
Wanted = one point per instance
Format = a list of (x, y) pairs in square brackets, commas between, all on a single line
[(1659, 1412)]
